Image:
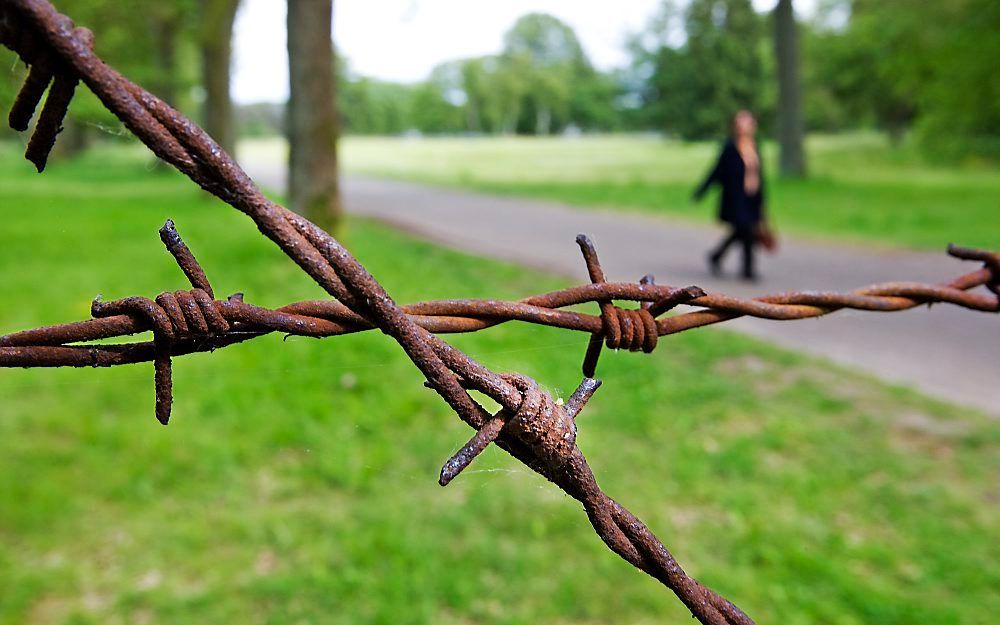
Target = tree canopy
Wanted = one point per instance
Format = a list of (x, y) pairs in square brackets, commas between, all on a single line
[(541, 82), (906, 67), (919, 70)]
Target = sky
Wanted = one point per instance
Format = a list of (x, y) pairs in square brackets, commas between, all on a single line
[(402, 40)]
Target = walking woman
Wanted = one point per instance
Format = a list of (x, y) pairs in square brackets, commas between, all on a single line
[(738, 172)]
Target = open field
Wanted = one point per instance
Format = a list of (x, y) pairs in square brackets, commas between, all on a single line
[(859, 188), (297, 480)]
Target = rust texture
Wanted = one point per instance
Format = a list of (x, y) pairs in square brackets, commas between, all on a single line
[(530, 425)]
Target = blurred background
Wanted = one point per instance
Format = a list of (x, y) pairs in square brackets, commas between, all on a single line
[(834, 471)]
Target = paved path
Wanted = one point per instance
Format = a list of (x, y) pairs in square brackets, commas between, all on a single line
[(945, 352)]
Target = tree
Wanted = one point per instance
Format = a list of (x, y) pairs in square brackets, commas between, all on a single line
[(509, 86), (216, 43), (553, 65), (475, 84), (445, 98), (856, 67), (694, 84), (792, 160), (313, 188), (925, 66), (370, 106), (960, 102), (166, 23), (541, 83), (495, 89)]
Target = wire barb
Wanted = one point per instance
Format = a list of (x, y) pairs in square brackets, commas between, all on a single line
[(581, 396), (44, 71), (171, 316), (185, 259), (37, 81), (991, 263)]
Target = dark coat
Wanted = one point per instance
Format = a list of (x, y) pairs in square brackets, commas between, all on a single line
[(735, 206)]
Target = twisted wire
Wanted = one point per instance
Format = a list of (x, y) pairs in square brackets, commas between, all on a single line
[(328, 318), (530, 425)]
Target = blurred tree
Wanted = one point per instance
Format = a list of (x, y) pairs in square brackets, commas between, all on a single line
[(541, 83), (866, 66), (216, 43), (561, 86), (593, 102), (166, 27), (475, 84), (369, 106), (495, 89), (313, 188), (508, 89), (701, 66), (438, 101), (792, 160), (959, 106), (910, 64), (823, 107)]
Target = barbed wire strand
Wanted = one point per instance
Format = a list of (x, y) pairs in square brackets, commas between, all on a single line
[(531, 425)]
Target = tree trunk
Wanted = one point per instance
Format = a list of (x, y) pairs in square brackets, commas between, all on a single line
[(790, 124), (543, 121), (472, 122), (216, 59), (165, 25), (313, 188)]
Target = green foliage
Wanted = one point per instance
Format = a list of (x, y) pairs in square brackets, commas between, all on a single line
[(915, 65), (432, 112), (693, 89), (540, 83), (907, 66), (560, 87), (297, 483), (960, 105), (369, 106), (893, 66)]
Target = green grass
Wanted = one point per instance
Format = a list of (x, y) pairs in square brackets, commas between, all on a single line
[(297, 480), (859, 188)]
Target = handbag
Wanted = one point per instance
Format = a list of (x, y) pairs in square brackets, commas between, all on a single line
[(766, 237)]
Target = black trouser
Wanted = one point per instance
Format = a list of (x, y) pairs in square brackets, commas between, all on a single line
[(744, 233)]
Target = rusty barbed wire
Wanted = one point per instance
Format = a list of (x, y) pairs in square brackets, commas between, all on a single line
[(530, 425), (193, 321)]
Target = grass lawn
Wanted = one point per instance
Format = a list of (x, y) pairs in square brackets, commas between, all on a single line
[(859, 188), (297, 480)]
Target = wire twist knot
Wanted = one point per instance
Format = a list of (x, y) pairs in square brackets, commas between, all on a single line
[(172, 316), (546, 427), (541, 423), (631, 329)]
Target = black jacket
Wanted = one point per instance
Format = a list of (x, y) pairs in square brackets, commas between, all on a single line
[(735, 206)]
